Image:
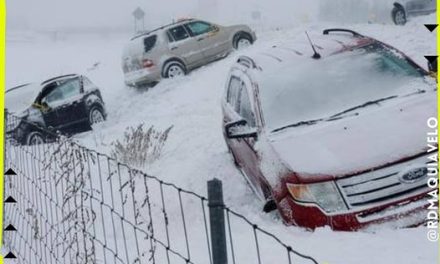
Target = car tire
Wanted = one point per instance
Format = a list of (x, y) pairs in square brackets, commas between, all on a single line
[(399, 16), (242, 40), (173, 69), (96, 115), (35, 138)]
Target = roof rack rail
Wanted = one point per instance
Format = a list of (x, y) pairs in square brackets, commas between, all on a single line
[(160, 28), (247, 62), (16, 87), (354, 33), (59, 77)]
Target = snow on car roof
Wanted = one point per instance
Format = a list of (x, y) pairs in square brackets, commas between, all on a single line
[(62, 77), (179, 21), (300, 48)]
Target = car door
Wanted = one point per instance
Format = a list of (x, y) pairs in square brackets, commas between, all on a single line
[(212, 39), (65, 104), (431, 5), (239, 106), (420, 6), (184, 46)]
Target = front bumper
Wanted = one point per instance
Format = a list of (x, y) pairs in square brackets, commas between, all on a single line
[(404, 213)]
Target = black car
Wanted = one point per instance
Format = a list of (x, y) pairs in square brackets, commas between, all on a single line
[(66, 104)]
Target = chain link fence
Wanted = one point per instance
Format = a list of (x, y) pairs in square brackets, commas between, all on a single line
[(75, 205)]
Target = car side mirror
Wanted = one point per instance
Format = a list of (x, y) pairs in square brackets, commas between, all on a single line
[(240, 129), (432, 66), (215, 28), (44, 107)]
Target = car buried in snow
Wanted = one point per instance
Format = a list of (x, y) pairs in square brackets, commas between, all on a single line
[(173, 50), (335, 139), (66, 104)]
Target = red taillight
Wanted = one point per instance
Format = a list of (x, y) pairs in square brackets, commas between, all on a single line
[(147, 63)]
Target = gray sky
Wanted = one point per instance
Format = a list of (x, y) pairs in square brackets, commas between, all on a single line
[(38, 14), (56, 14)]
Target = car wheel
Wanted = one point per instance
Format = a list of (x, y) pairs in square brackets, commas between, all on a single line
[(35, 138), (399, 16), (242, 41), (174, 69), (96, 115)]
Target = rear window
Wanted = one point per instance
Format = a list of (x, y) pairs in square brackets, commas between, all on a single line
[(149, 42), (179, 33)]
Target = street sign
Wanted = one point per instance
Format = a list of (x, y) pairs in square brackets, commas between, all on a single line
[(139, 13)]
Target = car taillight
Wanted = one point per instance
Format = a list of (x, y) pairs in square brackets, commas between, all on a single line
[(147, 63)]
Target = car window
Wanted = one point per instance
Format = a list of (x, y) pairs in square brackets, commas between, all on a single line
[(64, 90), (149, 42), (245, 107), (179, 33), (170, 38), (198, 28), (233, 88)]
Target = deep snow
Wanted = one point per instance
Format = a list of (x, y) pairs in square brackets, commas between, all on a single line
[(195, 151)]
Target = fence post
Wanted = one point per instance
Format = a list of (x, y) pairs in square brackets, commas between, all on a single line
[(217, 222)]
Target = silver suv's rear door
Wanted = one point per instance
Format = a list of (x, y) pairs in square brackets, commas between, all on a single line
[(184, 46)]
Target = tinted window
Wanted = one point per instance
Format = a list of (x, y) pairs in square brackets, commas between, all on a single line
[(245, 108), (149, 43), (179, 33), (170, 38), (199, 27), (233, 88), (64, 90)]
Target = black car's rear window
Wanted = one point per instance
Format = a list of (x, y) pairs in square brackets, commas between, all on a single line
[(149, 42)]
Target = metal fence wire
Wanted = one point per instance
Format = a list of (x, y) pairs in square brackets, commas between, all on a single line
[(75, 205)]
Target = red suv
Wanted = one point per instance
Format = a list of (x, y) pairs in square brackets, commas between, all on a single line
[(332, 133)]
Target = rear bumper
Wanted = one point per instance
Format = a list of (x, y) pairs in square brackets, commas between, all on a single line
[(404, 213), (143, 76)]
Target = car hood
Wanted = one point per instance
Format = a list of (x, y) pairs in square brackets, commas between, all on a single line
[(19, 99), (379, 135)]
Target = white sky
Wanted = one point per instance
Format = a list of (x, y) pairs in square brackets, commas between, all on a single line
[(93, 13), (51, 14)]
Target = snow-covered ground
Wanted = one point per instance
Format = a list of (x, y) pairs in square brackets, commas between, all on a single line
[(195, 151)]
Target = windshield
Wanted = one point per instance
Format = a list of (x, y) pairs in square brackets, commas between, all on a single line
[(321, 88)]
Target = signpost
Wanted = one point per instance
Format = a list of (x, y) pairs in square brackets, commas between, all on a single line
[(139, 20)]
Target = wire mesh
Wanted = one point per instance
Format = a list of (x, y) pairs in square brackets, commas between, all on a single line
[(75, 205)]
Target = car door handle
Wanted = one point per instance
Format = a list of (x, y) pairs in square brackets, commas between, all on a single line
[(174, 48), (200, 39)]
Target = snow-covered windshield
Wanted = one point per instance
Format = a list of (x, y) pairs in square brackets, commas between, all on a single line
[(309, 89), (22, 97)]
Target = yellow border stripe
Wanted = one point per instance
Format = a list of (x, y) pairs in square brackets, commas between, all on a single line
[(2, 112)]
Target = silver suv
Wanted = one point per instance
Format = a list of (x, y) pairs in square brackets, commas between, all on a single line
[(175, 49), (405, 8)]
